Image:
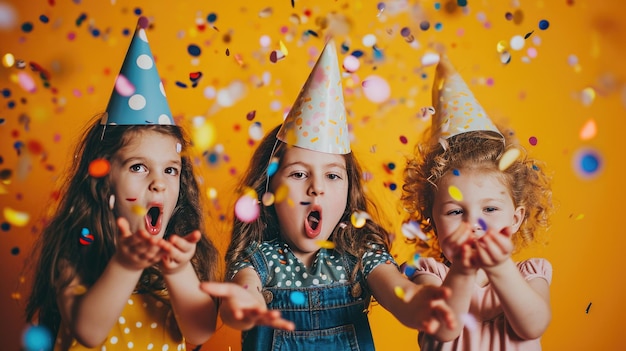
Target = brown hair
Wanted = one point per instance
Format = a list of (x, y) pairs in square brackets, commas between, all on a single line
[(528, 183), (84, 203), (347, 238)]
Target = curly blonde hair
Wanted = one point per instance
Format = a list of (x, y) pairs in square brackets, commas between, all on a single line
[(526, 179)]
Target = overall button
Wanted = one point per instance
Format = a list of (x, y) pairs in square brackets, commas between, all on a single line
[(268, 296), (356, 290)]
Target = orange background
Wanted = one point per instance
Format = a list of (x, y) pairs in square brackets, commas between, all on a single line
[(566, 77)]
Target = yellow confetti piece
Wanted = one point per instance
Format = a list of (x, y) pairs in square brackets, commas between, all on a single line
[(16, 218), (211, 193), (325, 244), (139, 210), (203, 135), (579, 217), (281, 193), (455, 193), (399, 292), (80, 289), (508, 158), (250, 192), (283, 48), (359, 219)]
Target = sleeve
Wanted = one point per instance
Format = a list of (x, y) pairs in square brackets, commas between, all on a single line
[(236, 266), (430, 266), (375, 256), (536, 268)]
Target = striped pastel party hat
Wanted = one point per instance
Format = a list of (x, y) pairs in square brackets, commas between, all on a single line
[(456, 109), (317, 120)]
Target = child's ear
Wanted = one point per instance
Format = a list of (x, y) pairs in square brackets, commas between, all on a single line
[(518, 218)]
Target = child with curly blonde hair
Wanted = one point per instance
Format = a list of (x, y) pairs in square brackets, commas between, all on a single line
[(473, 187)]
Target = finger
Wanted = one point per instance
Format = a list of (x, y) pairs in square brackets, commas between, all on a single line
[(124, 227)]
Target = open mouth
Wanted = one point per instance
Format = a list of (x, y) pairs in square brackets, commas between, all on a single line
[(154, 219), (313, 223)]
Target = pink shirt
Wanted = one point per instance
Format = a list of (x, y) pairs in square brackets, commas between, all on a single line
[(485, 327)]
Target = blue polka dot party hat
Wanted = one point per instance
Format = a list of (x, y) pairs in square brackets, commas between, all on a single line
[(317, 120), (456, 109), (138, 96)]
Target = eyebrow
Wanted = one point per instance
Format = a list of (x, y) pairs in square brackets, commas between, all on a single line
[(327, 165)]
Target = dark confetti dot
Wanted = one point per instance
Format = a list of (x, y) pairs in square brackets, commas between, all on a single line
[(15, 251), (391, 166), (95, 32), (6, 93), (126, 32), (544, 24), (456, 172), (357, 53), (508, 16), (211, 18), (528, 34), (44, 19), (424, 25), (403, 139), (461, 3), (250, 115), (137, 11), (405, 32), (393, 186), (532, 140), (27, 27), (5, 226), (180, 84), (194, 50)]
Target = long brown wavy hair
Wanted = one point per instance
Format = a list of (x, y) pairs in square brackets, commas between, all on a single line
[(525, 178), (347, 238), (84, 203)]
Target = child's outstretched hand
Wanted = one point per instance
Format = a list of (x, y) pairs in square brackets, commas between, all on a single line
[(242, 310), (493, 248), (430, 307), (136, 251), (460, 246), (178, 251)]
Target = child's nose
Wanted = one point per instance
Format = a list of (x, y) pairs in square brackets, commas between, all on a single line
[(157, 185)]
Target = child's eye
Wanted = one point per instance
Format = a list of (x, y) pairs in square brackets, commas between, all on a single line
[(298, 175), (333, 176), (490, 209), (454, 212), (172, 170), (138, 168)]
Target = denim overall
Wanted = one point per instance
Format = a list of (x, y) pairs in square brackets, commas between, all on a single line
[(332, 317)]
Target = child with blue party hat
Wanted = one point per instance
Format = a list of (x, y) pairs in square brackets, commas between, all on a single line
[(120, 262), (315, 255)]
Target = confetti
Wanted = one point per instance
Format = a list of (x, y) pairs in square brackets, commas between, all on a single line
[(297, 297), (273, 166), (508, 158), (587, 163), (587, 309), (376, 89), (16, 218), (247, 209), (99, 168), (123, 86), (139, 210), (482, 224), (268, 199), (589, 130), (326, 244), (455, 193), (37, 337), (359, 218), (469, 321), (86, 238), (399, 292)]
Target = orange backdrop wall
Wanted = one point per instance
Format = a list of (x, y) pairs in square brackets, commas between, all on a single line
[(560, 83)]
